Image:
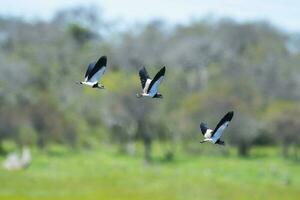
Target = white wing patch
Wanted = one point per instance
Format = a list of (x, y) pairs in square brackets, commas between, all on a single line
[(97, 76), (208, 133), (219, 132), (154, 87), (148, 81)]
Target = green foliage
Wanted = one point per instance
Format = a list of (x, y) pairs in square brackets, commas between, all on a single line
[(103, 174), (80, 34), (212, 67)]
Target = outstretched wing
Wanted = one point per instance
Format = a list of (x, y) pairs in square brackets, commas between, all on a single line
[(89, 69), (152, 89), (97, 70), (221, 126), (143, 76), (207, 132), (203, 128)]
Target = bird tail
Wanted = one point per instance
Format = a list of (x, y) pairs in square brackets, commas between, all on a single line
[(220, 142)]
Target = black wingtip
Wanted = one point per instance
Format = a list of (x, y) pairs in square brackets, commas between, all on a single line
[(102, 60), (142, 68), (229, 115), (162, 71), (203, 127)]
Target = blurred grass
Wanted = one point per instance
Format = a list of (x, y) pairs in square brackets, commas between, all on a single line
[(105, 174)]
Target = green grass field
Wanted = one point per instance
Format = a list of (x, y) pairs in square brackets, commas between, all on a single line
[(108, 175)]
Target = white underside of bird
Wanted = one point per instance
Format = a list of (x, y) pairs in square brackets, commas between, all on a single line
[(213, 139), (91, 84), (150, 86), (94, 73), (95, 78), (153, 90), (214, 136)]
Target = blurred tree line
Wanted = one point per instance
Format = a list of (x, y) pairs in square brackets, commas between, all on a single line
[(212, 67)]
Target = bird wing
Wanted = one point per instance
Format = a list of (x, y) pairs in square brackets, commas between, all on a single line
[(89, 69), (147, 86), (98, 70), (221, 126), (144, 76), (152, 89), (203, 128), (206, 132)]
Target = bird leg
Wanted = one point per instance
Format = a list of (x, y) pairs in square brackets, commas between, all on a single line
[(206, 140), (139, 95), (101, 87)]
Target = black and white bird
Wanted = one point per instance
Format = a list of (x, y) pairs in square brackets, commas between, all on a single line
[(214, 136), (149, 86), (94, 73)]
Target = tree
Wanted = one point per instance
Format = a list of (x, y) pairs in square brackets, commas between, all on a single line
[(285, 125), (243, 131)]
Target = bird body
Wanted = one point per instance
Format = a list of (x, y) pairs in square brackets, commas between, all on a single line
[(94, 73), (91, 84), (214, 136), (150, 87), (14, 162), (145, 89)]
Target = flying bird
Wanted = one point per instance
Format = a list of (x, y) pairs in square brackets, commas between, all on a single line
[(150, 87), (214, 136), (94, 73)]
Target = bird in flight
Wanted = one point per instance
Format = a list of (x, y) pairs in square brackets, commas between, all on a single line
[(94, 73), (214, 136), (150, 87)]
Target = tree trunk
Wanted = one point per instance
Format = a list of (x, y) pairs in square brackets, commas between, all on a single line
[(147, 140), (41, 142), (285, 150), (147, 148), (243, 150), (130, 148), (2, 151), (295, 151)]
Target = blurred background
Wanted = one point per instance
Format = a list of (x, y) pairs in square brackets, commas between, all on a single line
[(81, 143)]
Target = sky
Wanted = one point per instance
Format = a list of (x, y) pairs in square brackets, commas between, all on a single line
[(284, 14)]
